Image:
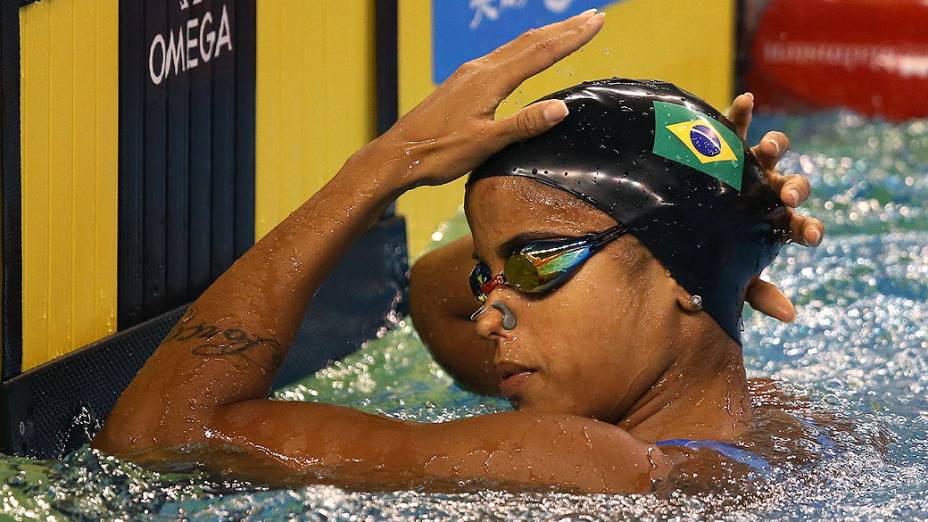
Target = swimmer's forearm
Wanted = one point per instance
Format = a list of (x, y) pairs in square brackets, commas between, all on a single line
[(230, 343), (285, 442), (555, 451)]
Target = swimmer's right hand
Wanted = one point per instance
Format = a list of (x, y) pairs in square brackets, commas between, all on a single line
[(454, 130)]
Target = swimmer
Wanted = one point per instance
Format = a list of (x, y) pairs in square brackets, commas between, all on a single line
[(605, 355)]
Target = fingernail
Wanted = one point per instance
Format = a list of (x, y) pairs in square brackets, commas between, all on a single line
[(793, 196), (776, 146), (588, 12), (749, 95), (555, 111), (815, 236)]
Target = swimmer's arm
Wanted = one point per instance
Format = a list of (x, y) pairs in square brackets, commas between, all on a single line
[(440, 304), (297, 443), (229, 345)]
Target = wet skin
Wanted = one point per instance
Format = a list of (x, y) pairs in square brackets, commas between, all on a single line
[(201, 398)]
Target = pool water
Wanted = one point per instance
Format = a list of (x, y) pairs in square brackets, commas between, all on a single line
[(857, 356)]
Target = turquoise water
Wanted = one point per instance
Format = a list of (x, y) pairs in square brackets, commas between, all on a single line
[(858, 354)]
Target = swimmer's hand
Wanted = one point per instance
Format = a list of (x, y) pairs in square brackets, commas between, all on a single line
[(794, 189), (454, 130)]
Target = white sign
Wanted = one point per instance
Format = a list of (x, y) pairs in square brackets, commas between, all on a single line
[(197, 41)]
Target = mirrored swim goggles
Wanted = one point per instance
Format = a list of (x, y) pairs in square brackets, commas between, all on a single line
[(541, 266)]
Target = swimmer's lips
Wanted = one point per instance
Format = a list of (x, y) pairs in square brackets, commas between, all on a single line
[(513, 379)]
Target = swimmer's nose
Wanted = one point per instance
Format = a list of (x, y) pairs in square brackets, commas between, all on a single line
[(490, 321)]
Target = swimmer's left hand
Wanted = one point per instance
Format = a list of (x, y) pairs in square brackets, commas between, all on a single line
[(454, 130), (794, 189)]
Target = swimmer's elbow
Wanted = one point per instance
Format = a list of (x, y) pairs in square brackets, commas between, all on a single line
[(114, 439), (138, 426), (118, 438)]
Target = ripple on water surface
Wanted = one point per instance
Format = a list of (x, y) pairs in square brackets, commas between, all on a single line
[(858, 354)]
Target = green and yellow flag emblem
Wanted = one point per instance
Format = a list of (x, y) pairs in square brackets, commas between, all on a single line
[(698, 141)]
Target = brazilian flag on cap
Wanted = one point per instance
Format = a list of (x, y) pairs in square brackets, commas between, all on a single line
[(698, 141)]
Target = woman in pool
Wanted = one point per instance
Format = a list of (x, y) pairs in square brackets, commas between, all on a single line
[(611, 363)]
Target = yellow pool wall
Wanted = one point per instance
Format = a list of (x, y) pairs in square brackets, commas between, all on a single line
[(316, 104)]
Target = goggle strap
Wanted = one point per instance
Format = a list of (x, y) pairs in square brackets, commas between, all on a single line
[(604, 237)]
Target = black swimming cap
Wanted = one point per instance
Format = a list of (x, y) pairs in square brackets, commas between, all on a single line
[(670, 168)]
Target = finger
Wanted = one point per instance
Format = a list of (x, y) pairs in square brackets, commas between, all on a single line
[(793, 188), (806, 230), (543, 53), (770, 149), (528, 38), (740, 113), (767, 299), (530, 121)]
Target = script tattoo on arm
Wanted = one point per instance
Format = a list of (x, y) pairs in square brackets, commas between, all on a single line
[(216, 342)]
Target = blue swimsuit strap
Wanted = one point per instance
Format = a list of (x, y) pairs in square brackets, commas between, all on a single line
[(743, 456)]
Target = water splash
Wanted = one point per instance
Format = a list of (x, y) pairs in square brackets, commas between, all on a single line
[(858, 354)]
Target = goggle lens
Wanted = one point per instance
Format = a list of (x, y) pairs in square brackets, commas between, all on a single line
[(527, 273), (540, 266), (521, 273)]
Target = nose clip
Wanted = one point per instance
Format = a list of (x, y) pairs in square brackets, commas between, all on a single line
[(478, 313), (509, 319)]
